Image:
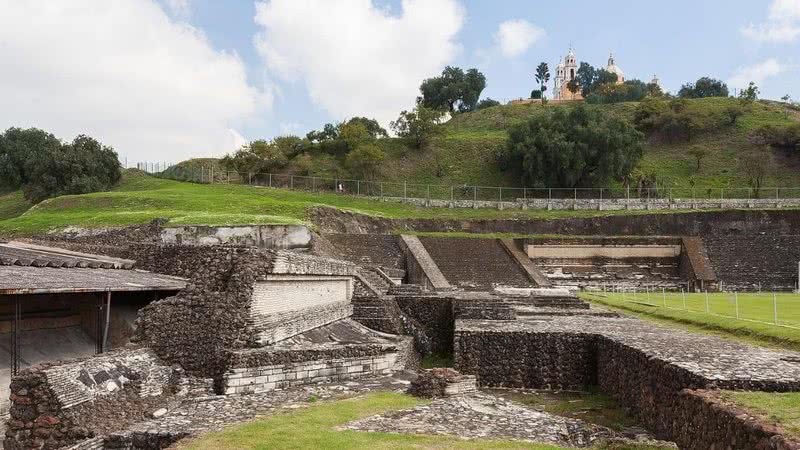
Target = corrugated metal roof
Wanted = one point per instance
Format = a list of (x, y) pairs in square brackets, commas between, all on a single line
[(25, 254), (49, 280)]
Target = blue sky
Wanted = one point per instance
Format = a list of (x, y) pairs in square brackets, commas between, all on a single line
[(170, 79), (679, 41)]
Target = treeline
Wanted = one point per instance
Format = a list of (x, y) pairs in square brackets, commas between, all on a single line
[(351, 147), (43, 166)]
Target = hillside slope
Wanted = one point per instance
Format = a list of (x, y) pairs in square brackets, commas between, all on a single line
[(140, 198), (466, 152)]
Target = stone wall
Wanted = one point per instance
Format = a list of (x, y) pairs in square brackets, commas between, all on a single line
[(749, 260), (261, 236), (431, 320), (527, 360), (56, 405)]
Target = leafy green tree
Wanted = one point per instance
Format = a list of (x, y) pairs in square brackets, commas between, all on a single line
[(354, 133), (704, 87), (536, 94), (454, 90), (757, 166), (573, 147), (486, 103), (698, 153), (20, 149), (43, 167), (654, 90), (542, 77), (419, 125), (573, 86), (259, 156), (629, 91), (751, 93), (586, 76), (328, 133), (364, 162), (85, 165), (372, 126)]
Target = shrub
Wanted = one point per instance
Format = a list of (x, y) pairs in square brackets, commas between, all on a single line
[(573, 148), (44, 167)]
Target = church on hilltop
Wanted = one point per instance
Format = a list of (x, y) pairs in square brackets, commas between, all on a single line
[(567, 70)]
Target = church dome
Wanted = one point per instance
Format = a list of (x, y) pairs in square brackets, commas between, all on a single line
[(613, 68)]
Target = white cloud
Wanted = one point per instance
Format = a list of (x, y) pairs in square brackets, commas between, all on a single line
[(757, 73), (356, 58), (237, 139), (179, 8), (782, 26), (123, 72), (516, 36)]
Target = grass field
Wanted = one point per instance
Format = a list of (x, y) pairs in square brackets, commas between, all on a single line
[(782, 409), (12, 204), (314, 427), (140, 198), (756, 312)]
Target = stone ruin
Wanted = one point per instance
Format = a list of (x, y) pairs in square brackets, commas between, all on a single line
[(258, 328)]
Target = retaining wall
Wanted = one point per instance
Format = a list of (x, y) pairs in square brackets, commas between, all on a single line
[(261, 236)]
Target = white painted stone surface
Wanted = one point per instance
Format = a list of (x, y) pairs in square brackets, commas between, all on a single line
[(283, 294)]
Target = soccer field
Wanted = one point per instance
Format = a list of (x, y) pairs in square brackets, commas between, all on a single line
[(780, 309)]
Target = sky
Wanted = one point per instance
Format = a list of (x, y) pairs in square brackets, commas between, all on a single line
[(166, 80)]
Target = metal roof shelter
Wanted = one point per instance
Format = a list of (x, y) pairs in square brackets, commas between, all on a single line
[(29, 269)]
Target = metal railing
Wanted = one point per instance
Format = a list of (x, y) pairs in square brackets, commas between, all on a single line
[(461, 192), (765, 307)]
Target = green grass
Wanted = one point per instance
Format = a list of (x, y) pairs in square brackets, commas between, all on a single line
[(592, 406), (466, 152), (140, 198), (722, 317), (314, 427), (781, 409), (12, 204)]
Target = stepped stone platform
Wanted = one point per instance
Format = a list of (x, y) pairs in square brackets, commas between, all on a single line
[(368, 249)]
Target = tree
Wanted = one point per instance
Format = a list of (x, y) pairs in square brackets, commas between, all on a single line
[(365, 160), (586, 76), (704, 87), (42, 166), (654, 90), (757, 166), (371, 125), (328, 133), (486, 103), (630, 91), (353, 134), (698, 153), (542, 77), (573, 86), (454, 90), (787, 98), (573, 147), (418, 125), (750, 94), (259, 156), (536, 94)]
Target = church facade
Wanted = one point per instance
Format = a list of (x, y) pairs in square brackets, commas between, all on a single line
[(567, 70)]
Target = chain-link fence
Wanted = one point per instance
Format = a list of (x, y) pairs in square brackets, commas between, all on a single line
[(457, 192), (765, 307)]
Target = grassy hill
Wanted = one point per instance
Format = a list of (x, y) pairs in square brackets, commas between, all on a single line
[(466, 152), (140, 198)]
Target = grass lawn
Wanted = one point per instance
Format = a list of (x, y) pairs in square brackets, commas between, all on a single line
[(12, 204), (722, 313), (313, 427), (782, 409), (141, 198)]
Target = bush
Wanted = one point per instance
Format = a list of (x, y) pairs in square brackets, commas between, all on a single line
[(629, 91), (419, 125), (785, 137), (43, 167), (704, 87), (573, 148)]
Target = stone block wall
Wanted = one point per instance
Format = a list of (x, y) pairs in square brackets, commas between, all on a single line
[(431, 319), (421, 269), (527, 360), (261, 236), (746, 260), (59, 404)]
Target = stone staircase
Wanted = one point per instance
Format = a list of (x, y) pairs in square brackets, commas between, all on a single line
[(406, 290), (378, 281), (551, 301)]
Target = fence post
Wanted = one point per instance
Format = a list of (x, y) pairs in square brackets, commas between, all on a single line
[(736, 301), (314, 184), (474, 194), (501, 194), (381, 190), (202, 172), (775, 307), (664, 296), (212, 174), (270, 180), (250, 178), (707, 310), (228, 176), (683, 293), (358, 187), (452, 196), (405, 190)]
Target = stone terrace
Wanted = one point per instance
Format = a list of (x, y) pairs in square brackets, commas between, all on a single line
[(368, 249), (475, 264), (743, 261)]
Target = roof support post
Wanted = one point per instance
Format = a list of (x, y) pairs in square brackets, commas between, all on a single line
[(107, 322)]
